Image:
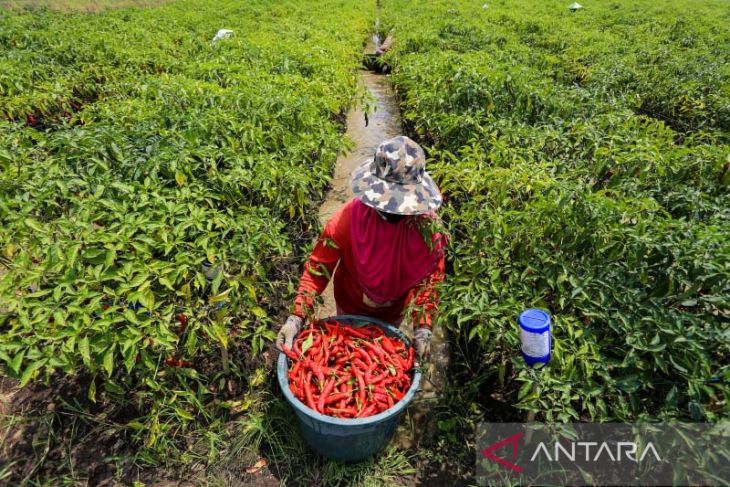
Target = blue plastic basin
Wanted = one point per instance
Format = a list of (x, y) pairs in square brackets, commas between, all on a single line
[(348, 439)]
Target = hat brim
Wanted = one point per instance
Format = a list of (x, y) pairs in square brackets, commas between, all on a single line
[(399, 199)]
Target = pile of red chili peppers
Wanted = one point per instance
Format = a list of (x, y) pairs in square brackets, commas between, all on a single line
[(348, 372)]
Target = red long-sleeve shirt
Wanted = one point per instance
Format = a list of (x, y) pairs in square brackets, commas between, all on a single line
[(333, 247)]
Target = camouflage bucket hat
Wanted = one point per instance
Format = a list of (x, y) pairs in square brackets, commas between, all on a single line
[(395, 180)]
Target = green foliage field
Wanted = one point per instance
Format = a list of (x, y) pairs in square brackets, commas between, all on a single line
[(90, 6), (586, 163), (132, 149)]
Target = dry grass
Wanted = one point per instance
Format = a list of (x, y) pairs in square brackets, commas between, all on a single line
[(90, 6)]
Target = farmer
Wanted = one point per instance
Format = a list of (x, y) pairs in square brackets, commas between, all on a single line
[(385, 46), (388, 259)]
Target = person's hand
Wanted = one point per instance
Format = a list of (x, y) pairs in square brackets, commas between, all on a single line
[(422, 343), (288, 331)]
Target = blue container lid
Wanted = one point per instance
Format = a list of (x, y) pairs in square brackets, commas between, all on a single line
[(534, 320)]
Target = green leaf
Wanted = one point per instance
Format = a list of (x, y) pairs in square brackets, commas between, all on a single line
[(221, 297), (307, 343), (84, 350), (524, 390), (115, 152), (166, 282), (328, 242), (30, 371), (92, 390), (111, 256), (672, 396), (39, 294), (184, 414), (92, 253), (147, 298), (139, 280), (217, 282), (258, 312), (59, 318), (112, 388), (17, 361), (33, 225), (109, 360)]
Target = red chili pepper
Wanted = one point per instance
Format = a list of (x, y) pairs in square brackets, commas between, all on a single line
[(376, 350), (366, 411), (351, 410), (377, 379), (305, 332), (308, 391), (326, 351), (398, 394), (319, 373), (409, 361), (344, 377), (387, 345), (365, 356), (389, 400), (380, 396), (360, 386), (297, 366), (360, 365), (353, 332), (335, 397), (288, 352), (375, 331), (362, 372), (325, 394)]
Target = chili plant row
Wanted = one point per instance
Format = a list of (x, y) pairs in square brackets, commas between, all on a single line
[(148, 173), (584, 158)]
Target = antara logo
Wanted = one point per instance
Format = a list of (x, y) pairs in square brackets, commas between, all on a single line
[(575, 451), (512, 440), (603, 451)]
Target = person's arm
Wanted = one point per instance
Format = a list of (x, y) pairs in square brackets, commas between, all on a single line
[(423, 300), (319, 267)]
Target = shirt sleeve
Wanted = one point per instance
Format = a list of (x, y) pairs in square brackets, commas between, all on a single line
[(423, 299), (321, 264)]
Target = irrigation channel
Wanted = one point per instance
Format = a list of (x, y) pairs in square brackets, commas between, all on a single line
[(367, 130)]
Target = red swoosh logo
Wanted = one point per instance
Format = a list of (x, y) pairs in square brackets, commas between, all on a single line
[(512, 440)]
